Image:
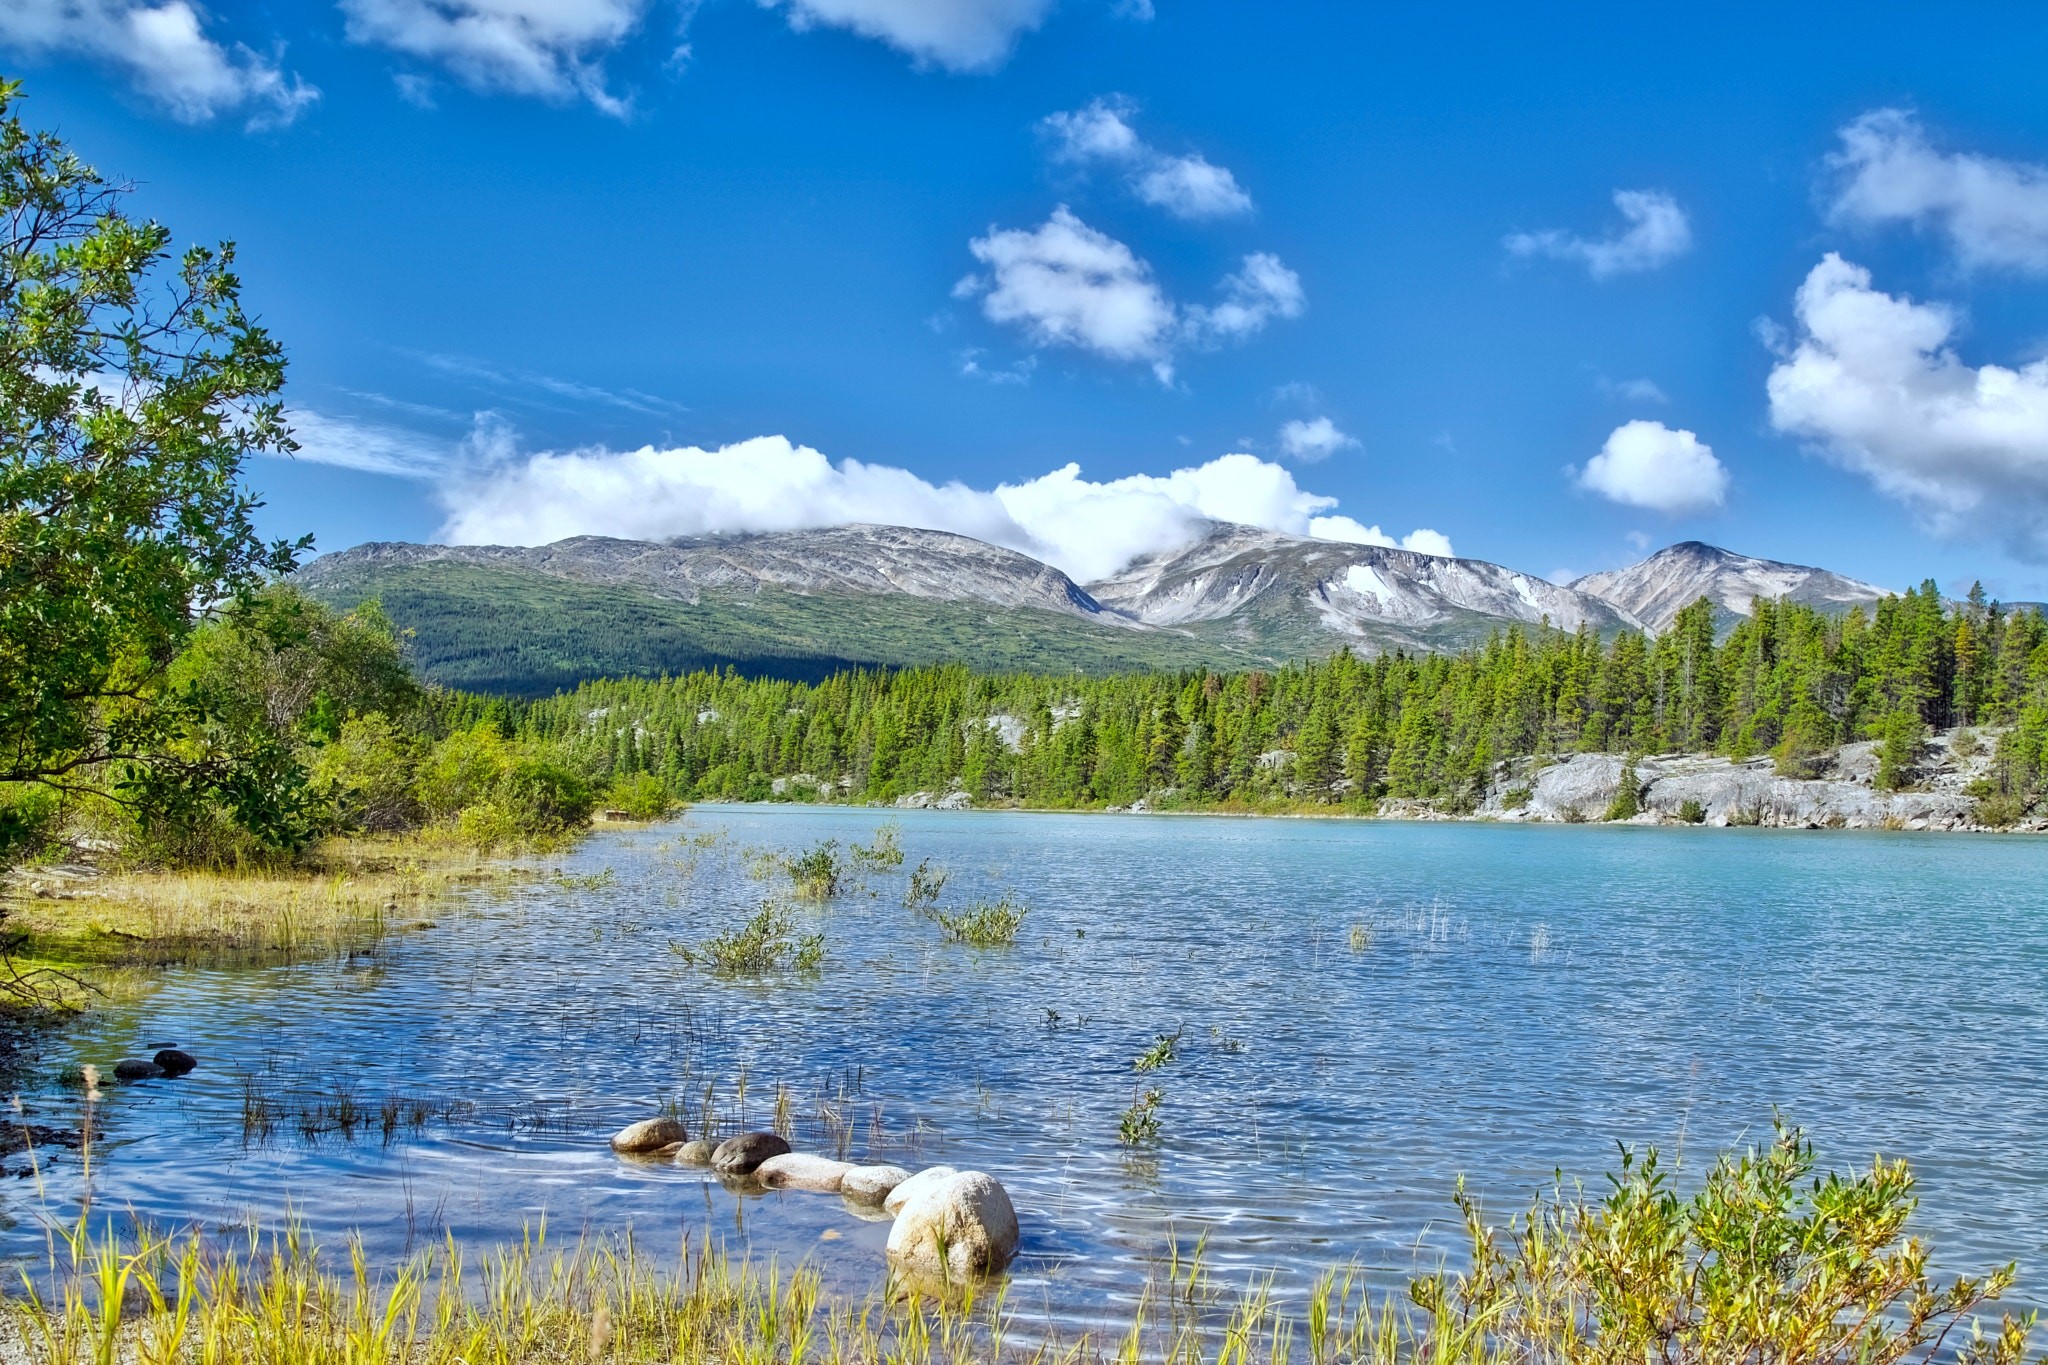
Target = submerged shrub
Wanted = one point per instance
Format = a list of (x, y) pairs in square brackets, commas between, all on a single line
[(886, 852), (1140, 1123), (818, 873), (767, 942), (985, 924), (1164, 1049), (921, 896)]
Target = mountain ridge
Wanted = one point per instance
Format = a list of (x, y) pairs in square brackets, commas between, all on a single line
[(529, 619)]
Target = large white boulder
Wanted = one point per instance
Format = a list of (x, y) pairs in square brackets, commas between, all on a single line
[(872, 1184), (955, 1229), (802, 1171), (892, 1202)]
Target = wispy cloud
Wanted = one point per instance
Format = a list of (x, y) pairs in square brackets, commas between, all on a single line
[(958, 35), (1188, 185), (1312, 439), (547, 49), (165, 51), (1994, 213), (518, 384), (1656, 232)]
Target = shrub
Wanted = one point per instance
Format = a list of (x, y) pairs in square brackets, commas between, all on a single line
[(368, 773), (1763, 1264), (1628, 795), (640, 796), (2000, 810), (767, 942), (818, 873), (985, 924), (1140, 1122), (1514, 798), (1692, 812), (886, 852), (921, 896), (1163, 1050)]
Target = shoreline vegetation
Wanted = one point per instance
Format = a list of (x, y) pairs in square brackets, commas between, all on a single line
[(1763, 1262)]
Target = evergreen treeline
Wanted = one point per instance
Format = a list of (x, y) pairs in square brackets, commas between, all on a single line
[(1790, 681)]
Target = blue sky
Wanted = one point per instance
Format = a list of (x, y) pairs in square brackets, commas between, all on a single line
[(565, 265)]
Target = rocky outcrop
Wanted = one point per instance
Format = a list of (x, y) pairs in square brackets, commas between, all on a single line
[(175, 1062), (892, 1203), (1708, 789), (136, 1069), (955, 1228)]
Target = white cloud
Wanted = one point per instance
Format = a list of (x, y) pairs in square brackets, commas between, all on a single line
[(960, 35), (1632, 390), (1188, 186), (1873, 381), (1067, 284), (550, 49), (1657, 231), (1422, 541), (1088, 528), (1263, 290), (166, 53), (1647, 464), (1994, 213), (1192, 187), (1313, 439)]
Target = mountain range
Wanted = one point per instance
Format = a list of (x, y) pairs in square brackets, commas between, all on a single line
[(800, 604)]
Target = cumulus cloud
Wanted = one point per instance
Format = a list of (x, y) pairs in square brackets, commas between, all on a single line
[(1186, 186), (166, 53), (960, 35), (1312, 439), (1086, 527), (1647, 464), (1994, 213), (1657, 231), (549, 49), (1067, 284), (1872, 380)]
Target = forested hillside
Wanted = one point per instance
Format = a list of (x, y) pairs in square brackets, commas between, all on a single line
[(1791, 681)]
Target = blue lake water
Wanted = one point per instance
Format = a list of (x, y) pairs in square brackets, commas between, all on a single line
[(1519, 1000)]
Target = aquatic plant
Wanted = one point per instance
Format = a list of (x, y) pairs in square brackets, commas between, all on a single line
[(588, 881), (926, 885), (1164, 1049), (886, 852), (1361, 937), (1140, 1123), (818, 873), (767, 942), (985, 924)]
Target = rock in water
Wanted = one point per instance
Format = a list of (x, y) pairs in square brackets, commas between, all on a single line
[(872, 1184), (135, 1069), (696, 1153), (174, 1062), (955, 1229), (649, 1135), (740, 1155), (801, 1171), (907, 1188)]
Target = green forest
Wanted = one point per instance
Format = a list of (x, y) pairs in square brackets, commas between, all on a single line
[(1790, 681)]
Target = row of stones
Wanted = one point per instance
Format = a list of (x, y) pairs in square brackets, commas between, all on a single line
[(949, 1225)]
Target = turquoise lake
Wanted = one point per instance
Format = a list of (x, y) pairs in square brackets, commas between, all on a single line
[(1518, 1000)]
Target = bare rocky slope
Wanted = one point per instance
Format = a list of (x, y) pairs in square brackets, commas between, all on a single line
[(1656, 589)]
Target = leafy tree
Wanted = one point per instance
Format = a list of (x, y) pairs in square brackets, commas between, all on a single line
[(133, 386)]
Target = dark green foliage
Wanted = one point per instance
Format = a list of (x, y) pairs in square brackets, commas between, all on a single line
[(526, 634), (1692, 812), (1628, 794), (132, 388), (1342, 732)]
